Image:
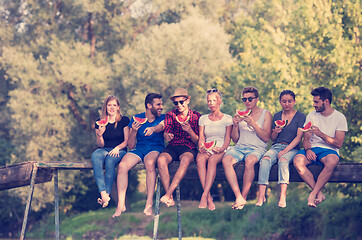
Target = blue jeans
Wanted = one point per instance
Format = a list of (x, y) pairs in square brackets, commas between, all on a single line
[(100, 157), (283, 166)]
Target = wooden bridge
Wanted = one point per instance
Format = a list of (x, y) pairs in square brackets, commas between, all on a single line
[(31, 173)]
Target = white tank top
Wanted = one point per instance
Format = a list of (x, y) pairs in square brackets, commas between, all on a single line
[(247, 134)]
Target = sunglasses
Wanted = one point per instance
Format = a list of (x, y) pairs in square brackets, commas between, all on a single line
[(248, 99), (177, 102), (212, 90)]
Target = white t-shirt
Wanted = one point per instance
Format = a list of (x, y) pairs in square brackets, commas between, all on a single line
[(215, 130), (328, 125)]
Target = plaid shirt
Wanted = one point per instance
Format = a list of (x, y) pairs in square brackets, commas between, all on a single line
[(180, 136)]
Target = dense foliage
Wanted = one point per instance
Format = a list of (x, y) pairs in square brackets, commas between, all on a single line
[(60, 58)]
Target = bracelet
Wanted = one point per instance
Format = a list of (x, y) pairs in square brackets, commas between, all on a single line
[(307, 149)]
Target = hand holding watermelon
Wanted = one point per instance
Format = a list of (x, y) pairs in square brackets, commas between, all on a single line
[(308, 127), (100, 131)]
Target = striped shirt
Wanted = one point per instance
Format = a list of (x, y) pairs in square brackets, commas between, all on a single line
[(181, 138)]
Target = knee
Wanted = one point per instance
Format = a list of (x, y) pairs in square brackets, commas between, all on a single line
[(283, 163), (227, 161), (122, 168), (331, 162), (161, 163), (150, 164), (265, 161), (298, 162), (200, 160), (97, 155), (250, 161)]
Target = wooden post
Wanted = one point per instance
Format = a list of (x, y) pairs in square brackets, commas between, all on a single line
[(28, 202), (157, 209), (179, 224), (56, 205)]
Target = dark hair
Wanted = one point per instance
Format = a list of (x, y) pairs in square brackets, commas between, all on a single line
[(149, 98), (251, 90), (287, 92), (323, 93)]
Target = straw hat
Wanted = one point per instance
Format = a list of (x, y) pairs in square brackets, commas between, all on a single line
[(180, 92)]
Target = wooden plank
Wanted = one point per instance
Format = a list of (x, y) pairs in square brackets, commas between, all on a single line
[(19, 175)]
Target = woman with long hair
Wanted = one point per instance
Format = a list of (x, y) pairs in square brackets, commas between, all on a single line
[(112, 136), (215, 126)]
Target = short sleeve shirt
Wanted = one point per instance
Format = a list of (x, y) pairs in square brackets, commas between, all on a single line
[(114, 136), (289, 132), (155, 139), (181, 138), (328, 125), (215, 130)]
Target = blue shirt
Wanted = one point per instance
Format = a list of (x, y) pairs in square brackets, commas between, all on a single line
[(155, 139)]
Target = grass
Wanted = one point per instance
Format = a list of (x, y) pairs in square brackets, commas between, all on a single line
[(336, 218)]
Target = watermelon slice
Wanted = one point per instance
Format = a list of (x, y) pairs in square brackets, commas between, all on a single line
[(243, 113), (281, 123), (102, 122), (209, 145), (140, 120), (181, 119), (307, 127)]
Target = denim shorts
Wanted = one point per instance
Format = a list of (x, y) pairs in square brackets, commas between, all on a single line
[(320, 153), (142, 152), (278, 147), (241, 152)]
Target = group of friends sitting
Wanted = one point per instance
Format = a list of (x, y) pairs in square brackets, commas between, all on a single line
[(186, 133)]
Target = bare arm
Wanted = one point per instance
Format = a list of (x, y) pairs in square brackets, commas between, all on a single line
[(155, 129), (293, 144), (99, 136), (187, 128), (275, 132), (235, 134), (132, 138), (307, 145), (115, 151), (201, 136), (337, 141), (227, 137)]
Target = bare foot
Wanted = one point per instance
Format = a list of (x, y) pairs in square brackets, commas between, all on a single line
[(167, 200), (210, 204), (320, 198), (239, 203), (311, 201), (105, 199), (203, 202), (282, 203), (105, 203), (260, 202), (148, 210), (119, 211), (99, 200)]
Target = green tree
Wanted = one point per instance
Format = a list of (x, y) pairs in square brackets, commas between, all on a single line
[(190, 54)]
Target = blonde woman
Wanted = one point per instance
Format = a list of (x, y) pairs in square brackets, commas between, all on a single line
[(215, 126)]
